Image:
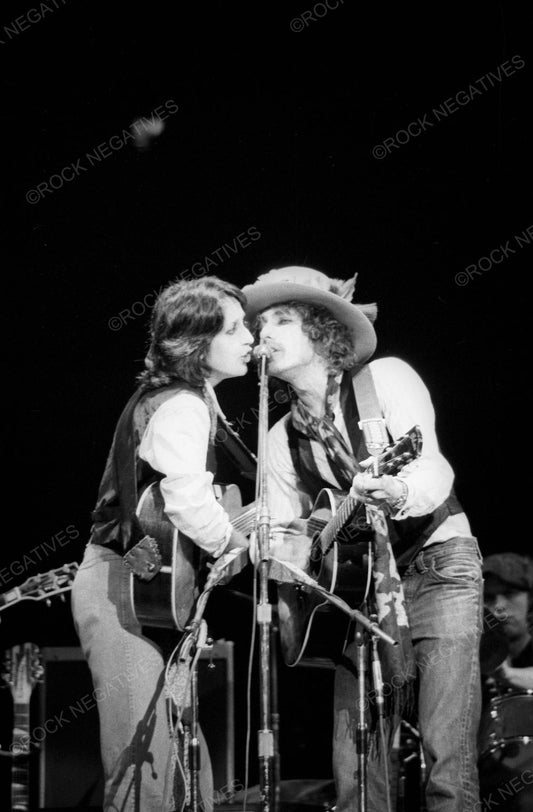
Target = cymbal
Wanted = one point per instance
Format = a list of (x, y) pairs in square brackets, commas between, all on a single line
[(494, 646)]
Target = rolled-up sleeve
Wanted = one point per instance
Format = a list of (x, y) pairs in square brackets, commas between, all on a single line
[(405, 402), (175, 443)]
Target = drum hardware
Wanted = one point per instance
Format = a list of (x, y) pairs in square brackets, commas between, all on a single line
[(412, 770), (508, 719), (505, 745)]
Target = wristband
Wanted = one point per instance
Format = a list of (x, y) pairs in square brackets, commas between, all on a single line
[(398, 503)]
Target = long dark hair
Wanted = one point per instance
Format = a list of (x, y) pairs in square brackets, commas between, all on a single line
[(186, 316)]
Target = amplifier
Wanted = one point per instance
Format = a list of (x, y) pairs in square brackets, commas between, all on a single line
[(70, 771)]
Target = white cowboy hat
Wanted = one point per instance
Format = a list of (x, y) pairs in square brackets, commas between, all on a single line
[(306, 285)]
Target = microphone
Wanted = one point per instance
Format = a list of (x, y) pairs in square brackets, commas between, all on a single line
[(262, 351)]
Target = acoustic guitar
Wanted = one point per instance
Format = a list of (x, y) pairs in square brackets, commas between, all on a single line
[(168, 600), (339, 536)]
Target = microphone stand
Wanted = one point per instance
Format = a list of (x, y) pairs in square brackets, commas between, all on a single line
[(264, 609), (275, 716), (195, 641), (361, 733), (362, 730), (286, 573)]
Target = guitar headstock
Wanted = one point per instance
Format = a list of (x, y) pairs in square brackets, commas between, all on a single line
[(404, 450), (22, 669), (47, 584)]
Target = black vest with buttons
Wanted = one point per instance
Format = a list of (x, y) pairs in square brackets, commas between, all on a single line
[(113, 524)]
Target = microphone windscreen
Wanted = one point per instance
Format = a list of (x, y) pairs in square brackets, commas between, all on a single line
[(262, 351)]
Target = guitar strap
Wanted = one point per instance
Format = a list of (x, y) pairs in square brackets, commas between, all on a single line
[(398, 663), (234, 448), (223, 434), (371, 421)]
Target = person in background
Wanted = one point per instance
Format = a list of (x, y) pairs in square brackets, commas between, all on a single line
[(508, 594), (506, 730)]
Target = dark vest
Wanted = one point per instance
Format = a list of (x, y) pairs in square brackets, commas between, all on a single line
[(111, 526), (408, 535)]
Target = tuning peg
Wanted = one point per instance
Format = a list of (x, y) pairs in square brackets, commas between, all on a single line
[(48, 602)]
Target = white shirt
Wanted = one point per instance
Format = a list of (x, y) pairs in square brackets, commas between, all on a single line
[(404, 401), (175, 443)]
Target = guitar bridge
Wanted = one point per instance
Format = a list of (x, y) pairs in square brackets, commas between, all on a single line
[(144, 559)]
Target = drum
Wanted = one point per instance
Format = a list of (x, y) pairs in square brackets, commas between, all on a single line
[(506, 752)]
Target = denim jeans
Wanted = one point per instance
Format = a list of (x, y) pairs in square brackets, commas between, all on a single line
[(443, 593), (127, 670)]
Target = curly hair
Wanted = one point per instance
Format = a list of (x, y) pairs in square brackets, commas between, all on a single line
[(186, 316), (331, 339)]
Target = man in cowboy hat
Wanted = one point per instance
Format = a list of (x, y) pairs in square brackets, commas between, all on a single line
[(320, 343)]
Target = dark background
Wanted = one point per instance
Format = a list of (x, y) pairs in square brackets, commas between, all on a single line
[(275, 131)]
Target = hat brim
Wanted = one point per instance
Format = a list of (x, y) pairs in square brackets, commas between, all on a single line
[(263, 295)]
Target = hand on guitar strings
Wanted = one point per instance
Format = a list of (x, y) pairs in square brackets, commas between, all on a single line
[(386, 489)]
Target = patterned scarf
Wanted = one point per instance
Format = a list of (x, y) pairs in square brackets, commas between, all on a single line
[(398, 662)]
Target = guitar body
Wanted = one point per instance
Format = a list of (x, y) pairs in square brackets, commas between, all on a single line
[(339, 557), (310, 625), (168, 600)]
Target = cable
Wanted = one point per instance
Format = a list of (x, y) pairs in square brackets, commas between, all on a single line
[(184, 643), (196, 637)]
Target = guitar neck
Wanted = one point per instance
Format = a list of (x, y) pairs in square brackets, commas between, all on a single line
[(20, 796), (42, 586), (7, 598), (329, 532), (390, 462)]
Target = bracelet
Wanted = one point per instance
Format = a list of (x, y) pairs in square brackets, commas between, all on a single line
[(398, 503)]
